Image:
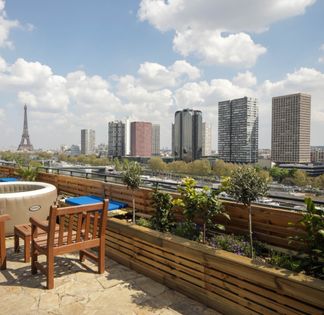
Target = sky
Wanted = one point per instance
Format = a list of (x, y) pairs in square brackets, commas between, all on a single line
[(80, 64)]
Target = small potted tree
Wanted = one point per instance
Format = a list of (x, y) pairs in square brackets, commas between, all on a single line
[(163, 219), (132, 179), (200, 204), (246, 186)]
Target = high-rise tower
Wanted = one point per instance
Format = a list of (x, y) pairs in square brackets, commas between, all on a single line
[(116, 138), (291, 116), (141, 138), (238, 130), (187, 135), (25, 135), (155, 140), (88, 141)]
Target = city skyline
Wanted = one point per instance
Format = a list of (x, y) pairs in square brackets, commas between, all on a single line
[(133, 60)]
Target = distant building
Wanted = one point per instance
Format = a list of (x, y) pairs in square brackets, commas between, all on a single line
[(238, 130), (310, 169), (317, 154), (206, 139), (127, 137), (88, 141), (74, 150), (116, 139), (264, 154), (156, 140), (141, 138), (290, 140), (187, 135), (102, 150)]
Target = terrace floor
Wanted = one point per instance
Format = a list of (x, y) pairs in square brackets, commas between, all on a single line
[(79, 290)]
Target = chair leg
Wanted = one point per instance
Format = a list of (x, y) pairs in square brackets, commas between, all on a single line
[(81, 256), (27, 249), (3, 253), (101, 258), (50, 271), (34, 258), (16, 242)]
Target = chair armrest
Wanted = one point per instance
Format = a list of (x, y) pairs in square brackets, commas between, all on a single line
[(4, 217), (43, 225)]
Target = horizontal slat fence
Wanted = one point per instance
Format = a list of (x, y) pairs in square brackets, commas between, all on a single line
[(270, 225), (227, 282)]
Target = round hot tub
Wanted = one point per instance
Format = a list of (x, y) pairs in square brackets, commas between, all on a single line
[(21, 200)]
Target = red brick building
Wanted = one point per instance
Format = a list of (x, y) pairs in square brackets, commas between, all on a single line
[(141, 138)]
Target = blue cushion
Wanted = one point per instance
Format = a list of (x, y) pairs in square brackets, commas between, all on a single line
[(8, 179), (86, 200)]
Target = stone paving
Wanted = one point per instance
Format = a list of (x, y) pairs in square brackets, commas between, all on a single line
[(79, 290)]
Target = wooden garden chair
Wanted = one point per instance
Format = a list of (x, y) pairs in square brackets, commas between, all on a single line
[(80, 228), (3, 252)]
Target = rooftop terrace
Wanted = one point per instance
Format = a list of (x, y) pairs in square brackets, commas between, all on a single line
[(80, 290)]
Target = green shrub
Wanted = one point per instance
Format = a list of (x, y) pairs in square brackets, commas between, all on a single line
[(199, 204), (233, 243), (187, 230), (284, 261), (313, 222), (162, 220), (28, 173), (144, 222)]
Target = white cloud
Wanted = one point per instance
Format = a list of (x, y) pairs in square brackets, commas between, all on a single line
[(215, 31), (5, 26), (213, 48), (2, 114), (91, 94), (321, 58), (245, 79), (156, 76)]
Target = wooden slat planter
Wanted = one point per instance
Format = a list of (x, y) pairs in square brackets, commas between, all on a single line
[(229, 283), (269, 224)]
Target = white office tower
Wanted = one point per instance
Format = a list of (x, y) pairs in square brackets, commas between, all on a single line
[(88, 141), (206, 139), (127, 137)]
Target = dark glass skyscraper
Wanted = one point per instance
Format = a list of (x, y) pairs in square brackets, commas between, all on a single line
[(187, 135)]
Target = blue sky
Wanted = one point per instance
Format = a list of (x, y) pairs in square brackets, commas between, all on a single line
[(79, 64)]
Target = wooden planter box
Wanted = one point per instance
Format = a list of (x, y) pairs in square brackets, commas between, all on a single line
[(227, 282)]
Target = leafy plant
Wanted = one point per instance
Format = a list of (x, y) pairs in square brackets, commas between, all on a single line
[(199, 203), (313, 222), (28, 173), (187, 230), (144, 222), (246, 185), (284, 261), (132, 179), (162, 220), (233, 243)]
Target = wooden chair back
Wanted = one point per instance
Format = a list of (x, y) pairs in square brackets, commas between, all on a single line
[(71, 226), (69, 229)]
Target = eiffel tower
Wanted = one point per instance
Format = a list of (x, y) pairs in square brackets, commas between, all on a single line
[(25, 136)]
